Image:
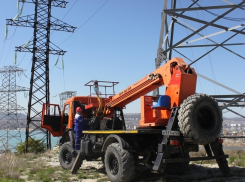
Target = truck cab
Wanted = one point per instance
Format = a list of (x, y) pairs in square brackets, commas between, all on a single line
[(59, 122)]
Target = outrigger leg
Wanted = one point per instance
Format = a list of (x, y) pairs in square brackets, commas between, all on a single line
[(217, 149), (77, 163)]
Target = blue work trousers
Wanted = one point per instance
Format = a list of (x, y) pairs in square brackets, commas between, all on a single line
[(79, 135)]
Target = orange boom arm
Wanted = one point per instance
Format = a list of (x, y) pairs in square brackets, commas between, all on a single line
[(175, 75)]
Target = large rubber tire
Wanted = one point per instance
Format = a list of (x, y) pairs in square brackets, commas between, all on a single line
[(200, 118), (66, 157), (177, 168), (119, 163)]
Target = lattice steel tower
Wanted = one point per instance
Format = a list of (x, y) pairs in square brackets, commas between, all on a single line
[(9, 108), (40, 47), (183, 33)]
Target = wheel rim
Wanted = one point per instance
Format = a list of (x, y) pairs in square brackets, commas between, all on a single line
[(67, 157), (113, 164), (205, 118)]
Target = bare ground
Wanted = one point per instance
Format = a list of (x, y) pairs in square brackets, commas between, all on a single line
[(93, 171), (45, 167)]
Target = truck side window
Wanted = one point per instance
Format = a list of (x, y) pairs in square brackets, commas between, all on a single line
[(66, 114)]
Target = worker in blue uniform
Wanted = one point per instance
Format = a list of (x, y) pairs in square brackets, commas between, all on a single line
[(80, 125)]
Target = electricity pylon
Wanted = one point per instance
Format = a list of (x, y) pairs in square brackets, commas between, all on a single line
[(66, 95), (40, 47), (9, 108)]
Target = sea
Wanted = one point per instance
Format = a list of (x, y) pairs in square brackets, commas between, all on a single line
[(13, 141), (54, 140)]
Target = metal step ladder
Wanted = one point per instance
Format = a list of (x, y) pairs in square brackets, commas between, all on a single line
[(163, 149)]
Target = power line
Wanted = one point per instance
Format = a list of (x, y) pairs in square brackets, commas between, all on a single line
[(10, 44), (192, 53), (210, 61), (25, 69), (67, 13), (12, 35), (22, 59), (86, 21), (4, 43), (78, 29), (2, 50), (69, 9), (64, 80)]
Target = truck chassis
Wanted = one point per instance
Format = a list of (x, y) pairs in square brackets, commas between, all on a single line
[(165, 149)]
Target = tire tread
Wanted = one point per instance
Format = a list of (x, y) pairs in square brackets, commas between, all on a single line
[(127, 159), (185, 119)]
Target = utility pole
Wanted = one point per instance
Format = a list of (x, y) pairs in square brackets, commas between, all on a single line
[(40, 47), (9, 108)]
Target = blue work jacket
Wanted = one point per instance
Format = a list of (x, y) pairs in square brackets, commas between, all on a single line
[(80, 123)]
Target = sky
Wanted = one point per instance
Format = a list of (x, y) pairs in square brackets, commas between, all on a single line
[(117, 41)]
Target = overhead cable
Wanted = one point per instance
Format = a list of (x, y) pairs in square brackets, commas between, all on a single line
[(86, 21)]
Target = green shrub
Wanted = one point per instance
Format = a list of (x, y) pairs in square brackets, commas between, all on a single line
[(103, 179), (34, 145)]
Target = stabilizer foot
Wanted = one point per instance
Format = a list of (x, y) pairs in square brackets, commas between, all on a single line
[(77, 163)]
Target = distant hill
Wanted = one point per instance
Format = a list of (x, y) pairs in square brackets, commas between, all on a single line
[(131, 119)]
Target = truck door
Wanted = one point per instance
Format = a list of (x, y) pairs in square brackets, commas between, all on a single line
[(52, 119)]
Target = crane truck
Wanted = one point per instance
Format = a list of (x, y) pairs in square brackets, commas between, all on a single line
[(177, 124)]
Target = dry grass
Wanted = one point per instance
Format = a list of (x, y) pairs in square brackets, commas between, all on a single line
[(49, 153), (232, 142), (35, 167), (236, 157), (11, 166)]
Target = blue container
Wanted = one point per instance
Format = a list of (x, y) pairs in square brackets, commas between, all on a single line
[(164, 102)]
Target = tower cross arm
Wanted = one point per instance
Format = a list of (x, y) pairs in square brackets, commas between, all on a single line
[(24, 21), (59, 25), (55, 3), (41, 50), (13, 88), (28, 21)]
